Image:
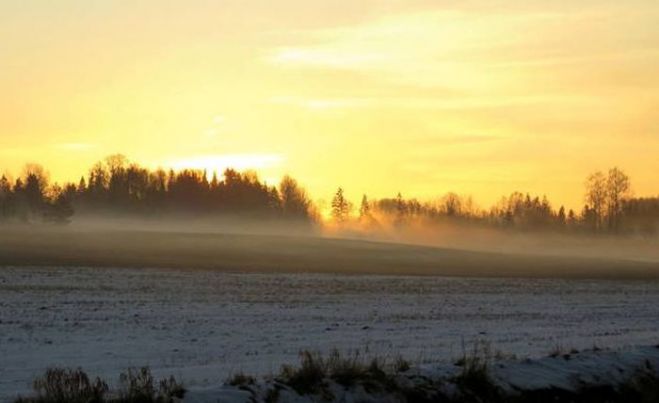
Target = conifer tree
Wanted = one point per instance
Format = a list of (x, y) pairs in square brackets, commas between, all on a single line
[(340, 207)]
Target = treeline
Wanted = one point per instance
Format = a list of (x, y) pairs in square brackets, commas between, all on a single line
[(115, 186), (30, 198), (608, 208)]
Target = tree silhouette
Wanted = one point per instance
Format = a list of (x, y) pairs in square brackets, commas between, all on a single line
[(59, 210), (365, 209), (36, 181), (6, 199), (451, 205), (400, 208), (617, 191), (561, 216), (641, 215), (572, 220), (340, 207), (295, 203), (596, 195)]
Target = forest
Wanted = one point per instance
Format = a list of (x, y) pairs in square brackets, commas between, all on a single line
[(116, 187)]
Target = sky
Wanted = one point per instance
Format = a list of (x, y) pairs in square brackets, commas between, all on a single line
[(479, 97)]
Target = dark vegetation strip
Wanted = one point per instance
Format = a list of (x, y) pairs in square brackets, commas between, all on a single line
[(117, 187), (391, 380)]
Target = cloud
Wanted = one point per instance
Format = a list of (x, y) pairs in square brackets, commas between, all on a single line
[(434, 45), (429, 103), (463, 139), (502, 52), (321, 103), (322, 57), (218, 123)]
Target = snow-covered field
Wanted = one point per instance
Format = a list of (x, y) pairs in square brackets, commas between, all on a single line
[(202, 326)]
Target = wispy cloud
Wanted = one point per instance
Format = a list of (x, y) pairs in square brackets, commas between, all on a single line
[(420, 46), (463, 139), (322, 57), (471, 51), (429, 103), (217, 125), (321, 103)]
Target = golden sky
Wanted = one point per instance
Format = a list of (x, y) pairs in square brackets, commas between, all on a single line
[(477, 96)]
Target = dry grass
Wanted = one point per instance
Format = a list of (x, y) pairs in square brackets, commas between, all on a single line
[(347, 370), (60, 385)]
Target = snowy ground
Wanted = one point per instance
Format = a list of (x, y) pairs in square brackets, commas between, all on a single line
[(201, 325)]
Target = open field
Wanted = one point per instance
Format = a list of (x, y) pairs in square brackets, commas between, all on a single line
[(202, 325), (202, 305), (277, 253)]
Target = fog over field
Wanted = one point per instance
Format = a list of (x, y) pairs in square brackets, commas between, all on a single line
[(249, 246)]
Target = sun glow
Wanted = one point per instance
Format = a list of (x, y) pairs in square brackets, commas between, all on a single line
[(218, 163), (385, 96)]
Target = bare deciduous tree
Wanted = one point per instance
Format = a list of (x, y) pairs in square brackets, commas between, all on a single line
[(451, 204), (617, 191), (596, 195)]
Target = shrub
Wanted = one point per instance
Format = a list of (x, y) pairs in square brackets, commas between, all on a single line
[(272, 395), (401, 364), (346, 370), (241, 380), (379, 377), (137, 386), (474, 381), (170, 388), (60, 385), (309, 377), (643, 386)]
